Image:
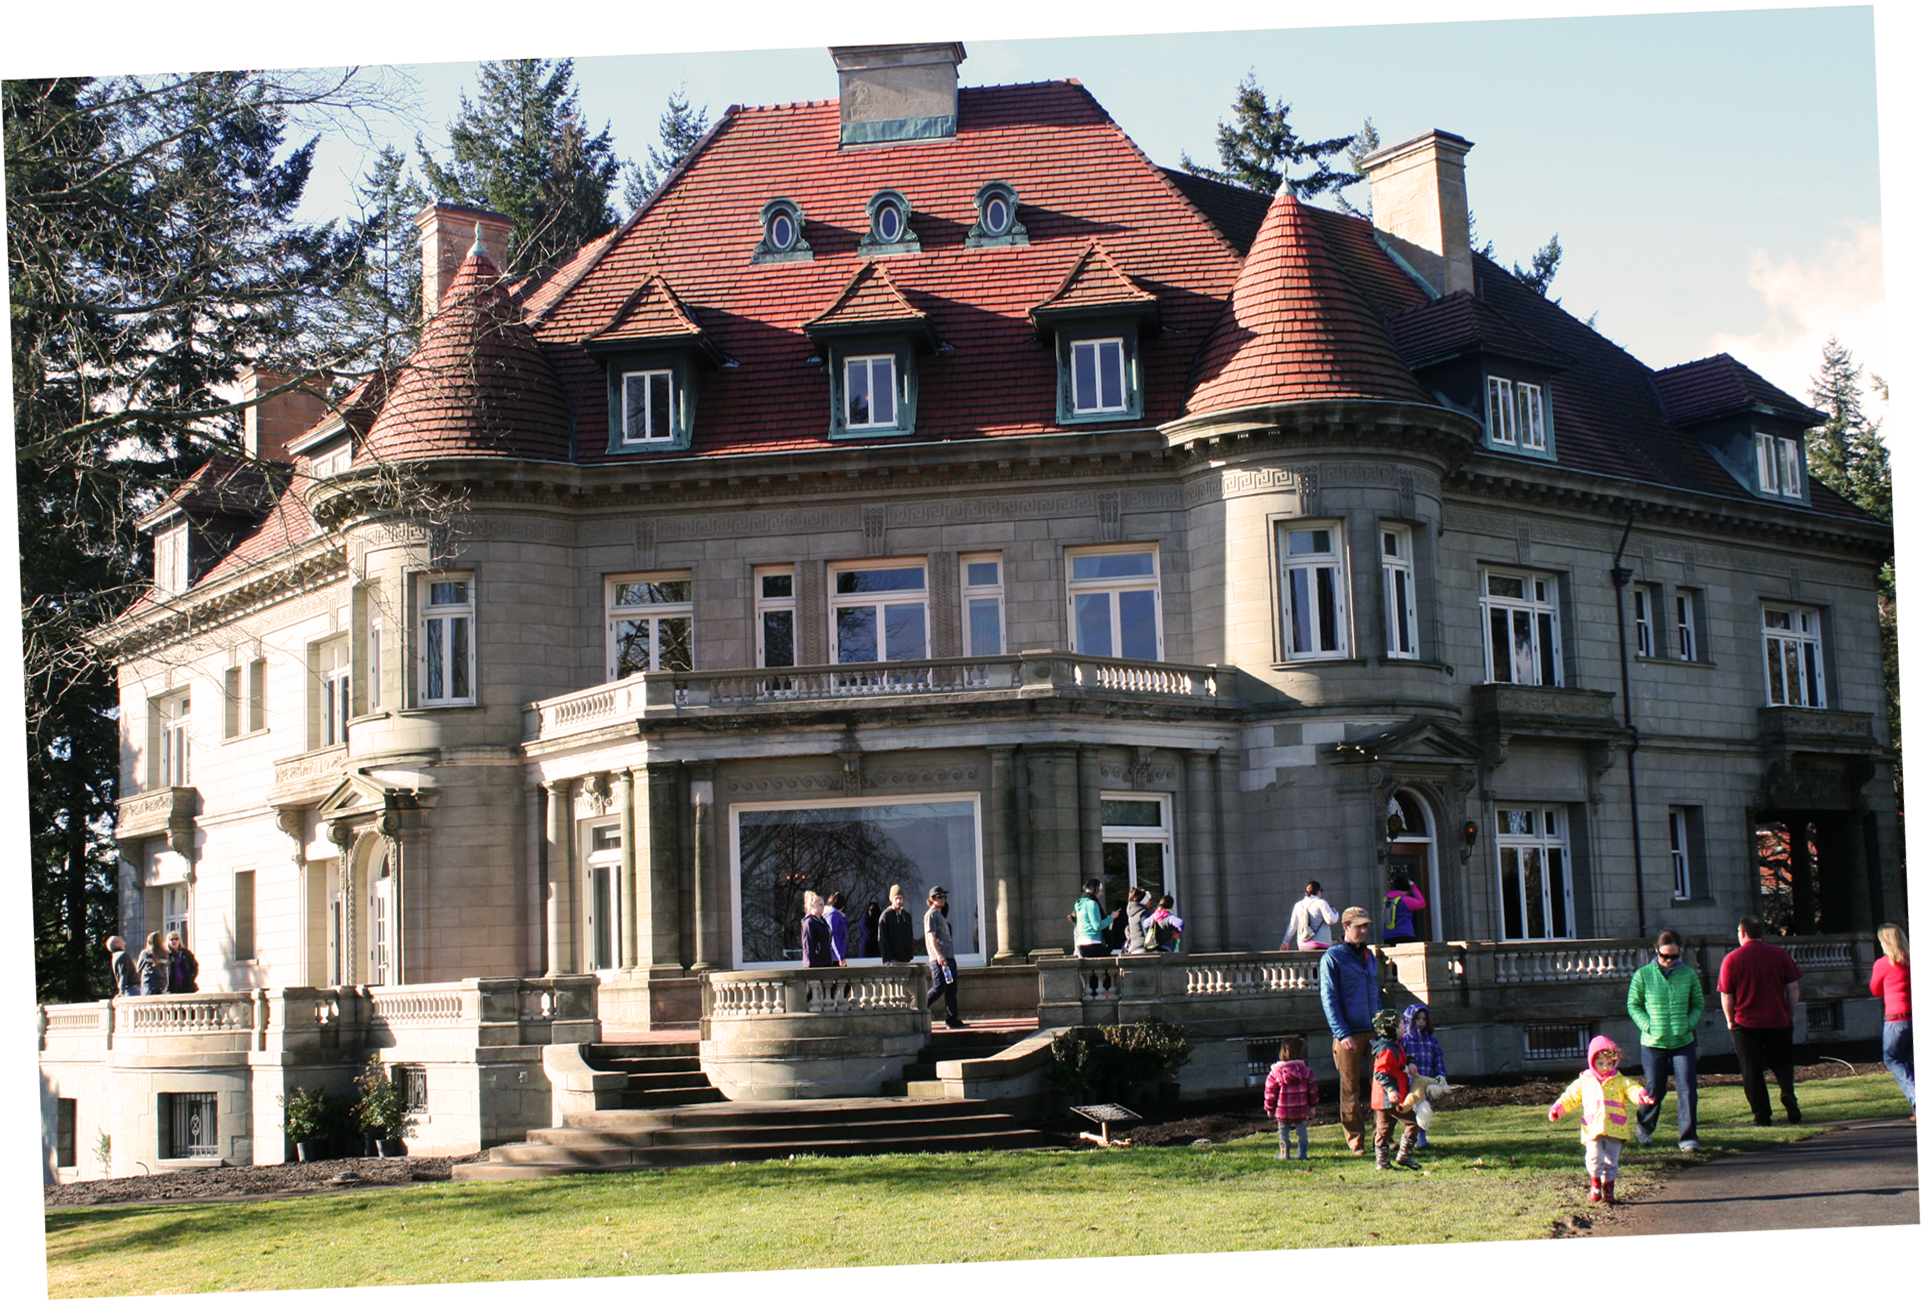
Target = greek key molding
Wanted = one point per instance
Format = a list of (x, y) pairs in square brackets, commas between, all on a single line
[(956, 775)]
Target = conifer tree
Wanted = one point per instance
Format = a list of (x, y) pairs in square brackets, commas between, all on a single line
[(522, 149), (1260, 148), (381, 303), (681, 130)]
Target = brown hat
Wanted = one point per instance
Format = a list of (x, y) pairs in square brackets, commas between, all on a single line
[(895, 892), (1350, 916)]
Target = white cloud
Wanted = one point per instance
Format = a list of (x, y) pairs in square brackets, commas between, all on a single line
[(1839, 291)]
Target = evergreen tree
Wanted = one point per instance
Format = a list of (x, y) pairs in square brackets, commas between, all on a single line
[(381, 303), (1259, 149), (681, 130), (1364, 143), (1542, 267), (522, 150)]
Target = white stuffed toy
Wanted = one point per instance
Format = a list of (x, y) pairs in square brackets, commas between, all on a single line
[(1424, 1089)]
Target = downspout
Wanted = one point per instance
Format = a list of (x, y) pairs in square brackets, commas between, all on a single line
[(1620, 576)]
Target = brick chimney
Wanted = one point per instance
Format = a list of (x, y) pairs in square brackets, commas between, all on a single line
[(1421, 207), (897, 92), (448, 231), (268, 427)]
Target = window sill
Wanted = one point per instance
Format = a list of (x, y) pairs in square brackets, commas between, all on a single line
[(256, 734), (419, 711), (1328, 661), (1694, 901), (1404, 661), (374, 717), (1675, 660)]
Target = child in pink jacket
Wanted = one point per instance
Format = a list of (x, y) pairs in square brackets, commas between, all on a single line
[(1290, 1094), (1604, 1093)]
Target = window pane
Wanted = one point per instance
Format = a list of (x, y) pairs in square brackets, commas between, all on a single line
[(984, 573), (1126, 564), (1512, 922), (1111, 357), (1138, 625), (1404, 633), (1082, 356), (1558, 886), (434, 653), (777, 585), (1150, 872), (1092, 633), (1773, 653), (985, 626), (907, 631), (676, 591), (1792, 677), (1325, 610), (1500, 669), (778, 638), (1810, 695), (855, 635), (1532, 891), (1391, 544), (1504, 585), (912, 579), (1301, 614), (676, 637), (883, 370), (462, 688), (857, 385), (1524, 649), (447, 594), (660, 409), (1546, 642), (1131, 813)]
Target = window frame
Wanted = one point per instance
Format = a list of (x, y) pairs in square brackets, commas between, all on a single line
[(1806, 634), (1114, 587), (244, 699), (1334, 591), (172, 716), (867, 362), (989, 596), (1097, 331), (172, 559), (1549, 841), (906, 387), (332, 701), (1688, 647), (982, 234), (1097, 346), (1517, 417), (1644, 603), (1539, 606), (651, 612), (1780, 467), (1135, 834), (795, 250), (1399, 581), (873, 244), (881, 600), (672, 360), (1686, 847), (766, 605), (671, 415), (432, 612), (246, 915)]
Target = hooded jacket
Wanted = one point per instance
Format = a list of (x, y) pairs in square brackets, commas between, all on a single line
[(1291, 1092), (1666, 1006), (1425, 1054), (1604, 1099)]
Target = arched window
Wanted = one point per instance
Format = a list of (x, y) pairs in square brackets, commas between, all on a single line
[(1412, 852)]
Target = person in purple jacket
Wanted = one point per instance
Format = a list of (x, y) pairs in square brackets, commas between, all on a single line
[(1425, 1054), (837, 927), (1399, 907)]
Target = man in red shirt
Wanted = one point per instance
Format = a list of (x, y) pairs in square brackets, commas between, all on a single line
[(1760, 985)]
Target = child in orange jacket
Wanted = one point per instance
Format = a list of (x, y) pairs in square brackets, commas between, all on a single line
[(1605, 1095), (1389, 1094)]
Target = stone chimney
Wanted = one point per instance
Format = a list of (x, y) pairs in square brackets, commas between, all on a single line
[(897, 92), (1421, 205), (268, 427), (448, 231)]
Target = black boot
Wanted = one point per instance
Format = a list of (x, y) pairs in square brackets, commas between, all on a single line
[(1403, 1158), (1382, 1157)]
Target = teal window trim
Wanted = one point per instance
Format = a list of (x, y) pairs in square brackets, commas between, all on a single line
[(1066, 338), (768, 250), (1519, 441), (982, 234), (907, 386), (906, 241), (682, 400)]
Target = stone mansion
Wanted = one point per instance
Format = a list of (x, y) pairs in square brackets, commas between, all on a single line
[(925, 488)]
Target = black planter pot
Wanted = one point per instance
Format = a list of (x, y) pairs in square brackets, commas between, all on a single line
[(307, 1151), (389, 1147)]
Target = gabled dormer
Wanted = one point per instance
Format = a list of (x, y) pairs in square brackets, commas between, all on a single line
[(651, 349), (1476, 360), (872, 340), (1097, 317), (1753, 429)]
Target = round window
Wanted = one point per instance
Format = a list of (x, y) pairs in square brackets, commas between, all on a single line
[(995, 216), (888, 223), (781, 232)]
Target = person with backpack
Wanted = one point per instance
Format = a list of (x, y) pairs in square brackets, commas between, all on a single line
[(1312, 923), (1399, 907), (153, 965), (1091, 923), (1162, 932)]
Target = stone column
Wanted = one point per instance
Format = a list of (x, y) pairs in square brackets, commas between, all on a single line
[(560, 897), (624, 794), (1204, 863), (664, 877), (701, 792), (1088, 786), (1003, 867), (1053, 872)]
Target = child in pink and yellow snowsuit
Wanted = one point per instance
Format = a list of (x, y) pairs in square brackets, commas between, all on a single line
[(1605, 1095)]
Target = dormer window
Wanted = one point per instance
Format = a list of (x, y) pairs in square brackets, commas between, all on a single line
[(871, 399), (1517, 416), (1779, 466), (781, 241), (170, 559), (647, 407), (888, 233), (1097, 368), (995, 224)]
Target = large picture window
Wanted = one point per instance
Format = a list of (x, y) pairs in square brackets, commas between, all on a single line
[(650, 624), (1538, 895), (1315, 603), (1523, 642), (1114, 600), (447, 640), (879, 612), (860, 848), (1793, 655), (1137, 847)]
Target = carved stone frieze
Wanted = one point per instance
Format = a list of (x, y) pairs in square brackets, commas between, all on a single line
[(953, 776)]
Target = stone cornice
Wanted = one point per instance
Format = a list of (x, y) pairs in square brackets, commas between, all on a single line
[(308, 566)]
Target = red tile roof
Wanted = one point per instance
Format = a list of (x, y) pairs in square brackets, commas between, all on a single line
[(221, 485), (1461, 322), (478, 384), (651, 314), (1296, 329), (869, 300), (1094, 284), (1079, 179), (1721, 386)]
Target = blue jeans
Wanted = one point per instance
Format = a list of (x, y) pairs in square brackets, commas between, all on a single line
[(1658, 1065), (1300, 1129), (1899, 1056)]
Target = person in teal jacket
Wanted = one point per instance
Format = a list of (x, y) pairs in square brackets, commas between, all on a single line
[(1666, 1002)]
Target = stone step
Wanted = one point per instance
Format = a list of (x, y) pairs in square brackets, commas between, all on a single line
[(640, 1099), (668, 1135), (598, 1053), (778, 1115), (532, 1160)]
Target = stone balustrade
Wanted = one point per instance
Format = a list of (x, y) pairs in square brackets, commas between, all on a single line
[(1011, 677), (835, 1032)]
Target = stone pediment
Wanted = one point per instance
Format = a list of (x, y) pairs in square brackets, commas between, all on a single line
[(1422, 740)]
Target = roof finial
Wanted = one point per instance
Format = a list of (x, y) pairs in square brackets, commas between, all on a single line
[(1288, 185), (476, 246)]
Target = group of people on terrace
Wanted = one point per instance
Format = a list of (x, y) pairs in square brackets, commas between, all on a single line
[(1143, 924), (1314, 922), (164, 966), (885, 933)]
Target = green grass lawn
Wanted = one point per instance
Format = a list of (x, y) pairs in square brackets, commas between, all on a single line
[(852, 1211)]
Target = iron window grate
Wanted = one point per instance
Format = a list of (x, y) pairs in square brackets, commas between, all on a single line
[(193, 1128), (1555, 1043), (411, 1082), (1825, 1018), (1262, 1056)]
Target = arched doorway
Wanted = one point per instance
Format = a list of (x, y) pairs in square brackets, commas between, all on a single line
[(1412, 852)]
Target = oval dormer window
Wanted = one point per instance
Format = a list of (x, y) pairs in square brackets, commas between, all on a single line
[(995, 215), (888, 222), (781, 232)]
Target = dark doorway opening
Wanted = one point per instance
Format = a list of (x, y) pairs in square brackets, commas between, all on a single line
[(1803, 867)]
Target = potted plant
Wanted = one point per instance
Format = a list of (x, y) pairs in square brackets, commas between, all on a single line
[(307, 1122), (380, 1111)]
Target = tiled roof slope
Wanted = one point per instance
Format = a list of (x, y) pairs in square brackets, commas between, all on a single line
[(1234, 211), (1094, 283), (651, 314), (478, 384), (222, 485), (1454, 324), (869, 299), (1078, 177), (1721, 386), (1296, 329)]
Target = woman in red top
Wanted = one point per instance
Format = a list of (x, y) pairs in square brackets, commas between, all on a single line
[(1890, 980)]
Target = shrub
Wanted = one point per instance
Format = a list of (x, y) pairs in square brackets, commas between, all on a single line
[(380, 1112), (1145, 1052), (307, 1115), (1070, 1068)]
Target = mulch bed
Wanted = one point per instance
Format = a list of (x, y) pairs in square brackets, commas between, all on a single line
[(1212, 1121)]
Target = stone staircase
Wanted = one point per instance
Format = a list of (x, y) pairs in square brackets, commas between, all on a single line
[(671, 1116)]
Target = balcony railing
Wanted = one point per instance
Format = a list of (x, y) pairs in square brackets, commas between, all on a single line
[(1833, 730), (1024, 676), (1509, 709)]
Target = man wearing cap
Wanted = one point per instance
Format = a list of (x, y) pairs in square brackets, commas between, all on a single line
[(941, 956), (896, 929), (120, 967), (1351, 997)]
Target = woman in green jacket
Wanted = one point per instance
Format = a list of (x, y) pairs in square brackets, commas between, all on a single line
[(1666, 1003)]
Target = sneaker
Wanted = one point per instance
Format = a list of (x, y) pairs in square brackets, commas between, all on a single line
[(1407, 1162), (957, 1025), (1643, 1136), (1689, 1145)]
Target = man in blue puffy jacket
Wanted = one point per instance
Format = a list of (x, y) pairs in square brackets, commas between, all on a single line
[(1351, 996)]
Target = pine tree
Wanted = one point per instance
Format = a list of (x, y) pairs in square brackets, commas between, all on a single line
[(382, 301), (522, 150), (681, 130), (1365, 142), (1260, 148)]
